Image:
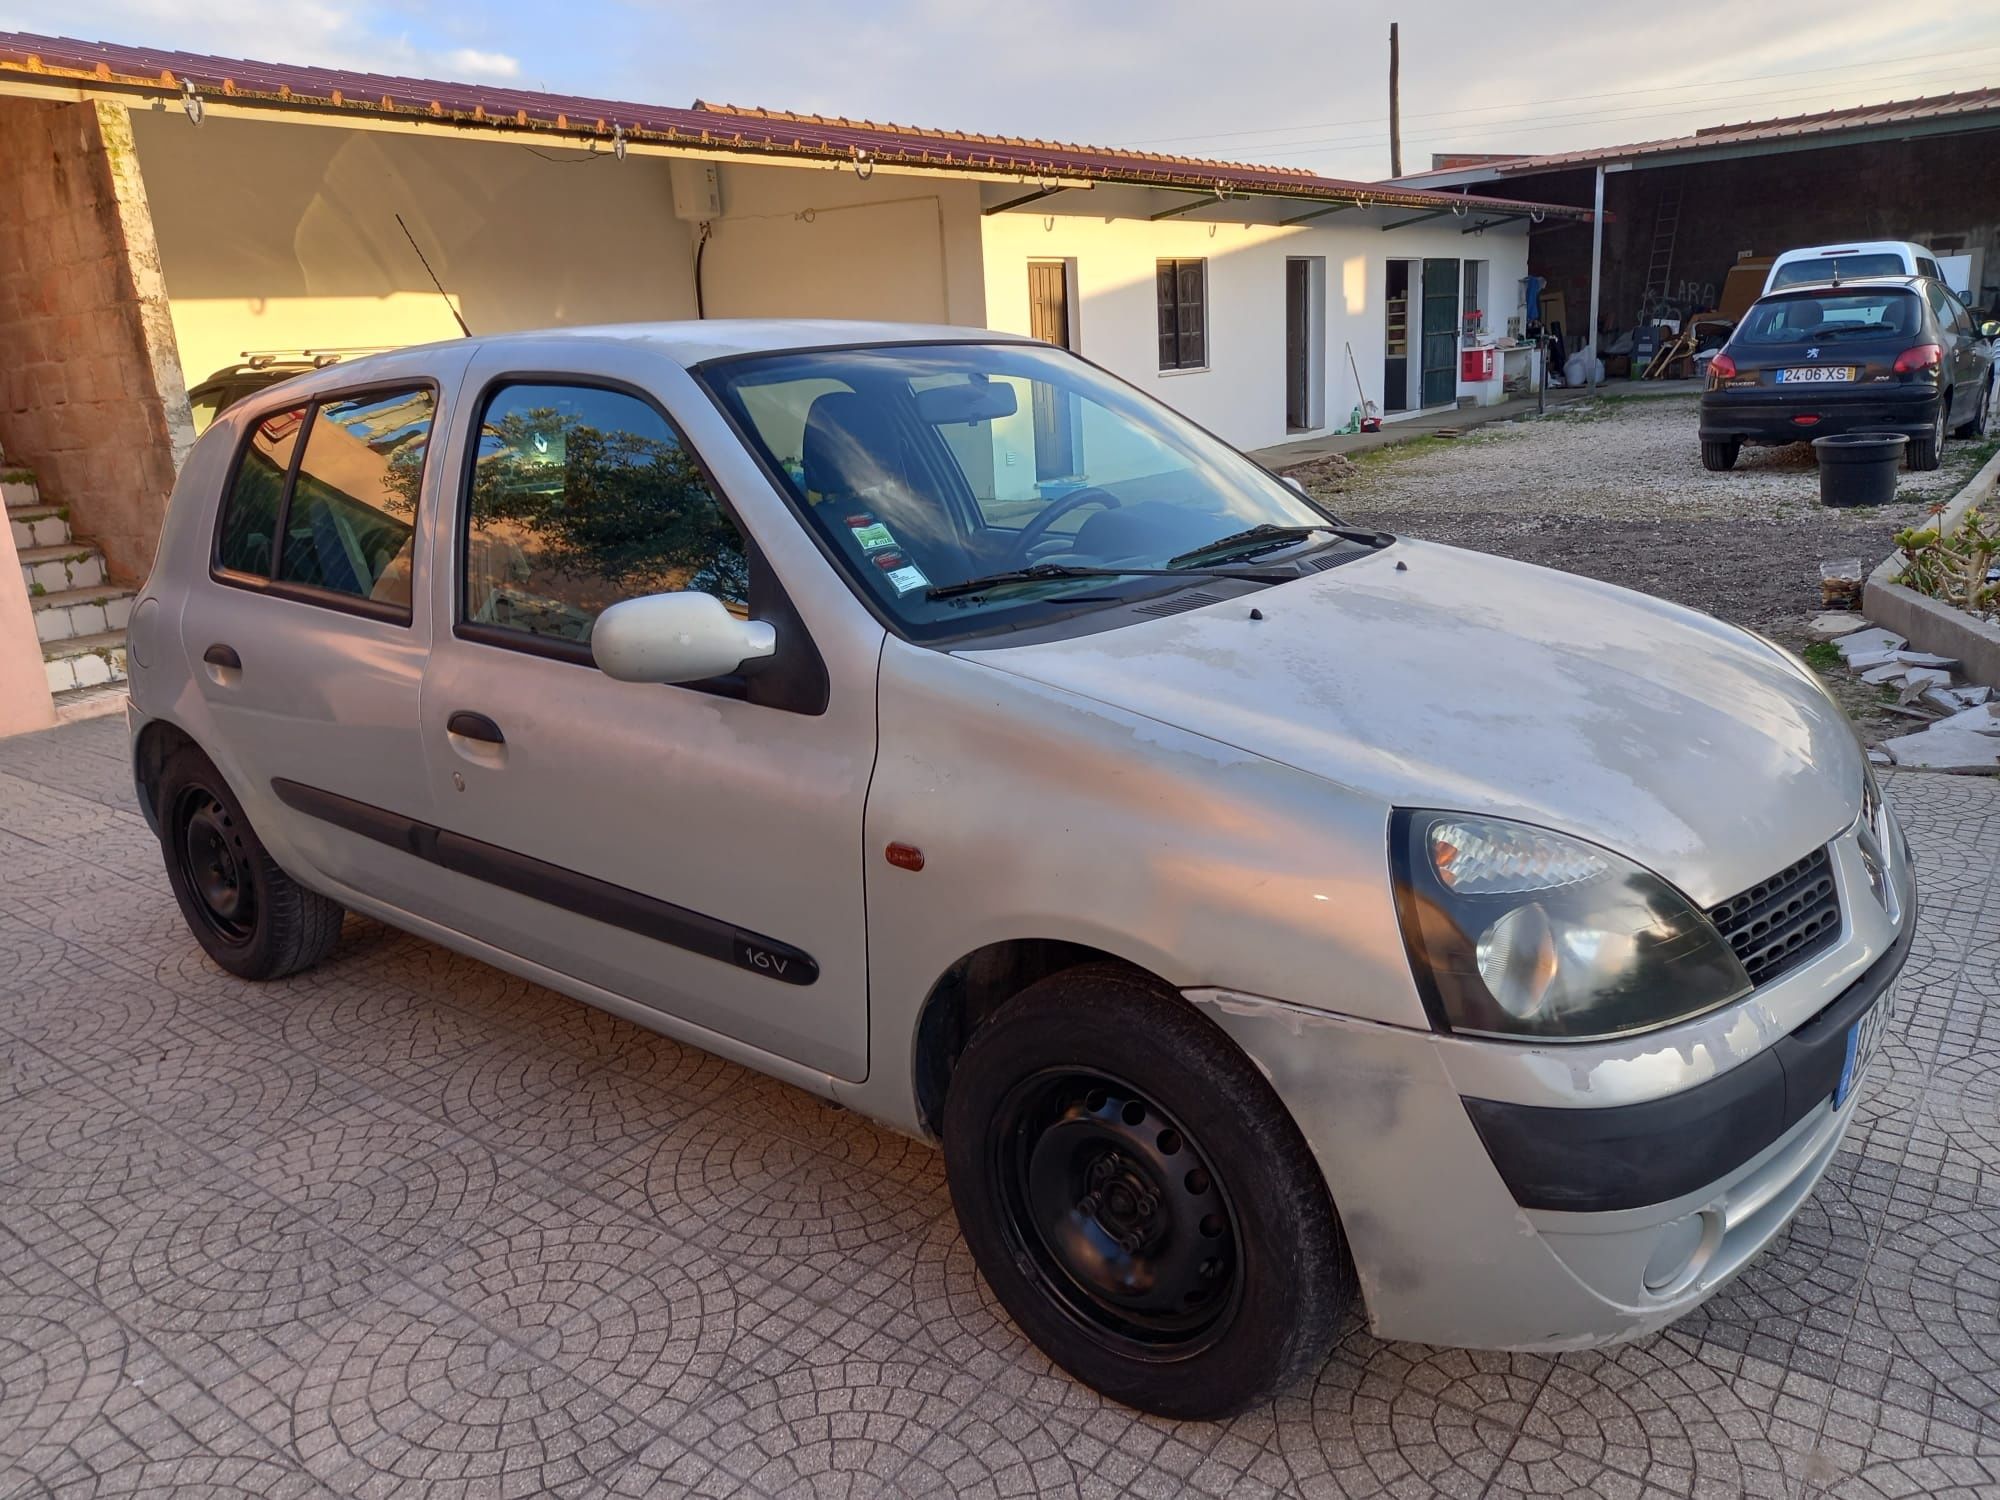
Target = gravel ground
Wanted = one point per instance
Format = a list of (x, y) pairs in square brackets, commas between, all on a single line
[(1614, 489)]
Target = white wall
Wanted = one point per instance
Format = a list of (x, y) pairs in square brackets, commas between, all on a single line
[(282, 235), (1241, 394)]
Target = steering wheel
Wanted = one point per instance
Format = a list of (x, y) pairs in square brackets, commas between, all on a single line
[(1033, 533)]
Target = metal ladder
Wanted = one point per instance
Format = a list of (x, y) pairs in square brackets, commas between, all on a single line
[(1659, 270)]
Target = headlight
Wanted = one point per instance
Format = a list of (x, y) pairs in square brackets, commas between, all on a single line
[(1515, 931)]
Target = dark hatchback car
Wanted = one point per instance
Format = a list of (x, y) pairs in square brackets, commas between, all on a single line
[(1888, 354)]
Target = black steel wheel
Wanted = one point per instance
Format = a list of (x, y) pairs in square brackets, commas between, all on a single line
[(248, 915), (1139, 1199), (210, 847), (1107, 1197)]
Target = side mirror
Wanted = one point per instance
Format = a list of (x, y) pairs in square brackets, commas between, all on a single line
[(683, 637), (1989, 329), (1297, 485)]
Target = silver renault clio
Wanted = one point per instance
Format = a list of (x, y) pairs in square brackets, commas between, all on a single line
[(1262, 912)]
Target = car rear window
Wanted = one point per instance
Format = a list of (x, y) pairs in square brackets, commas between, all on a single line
[(1787, 320), (1840, 268)]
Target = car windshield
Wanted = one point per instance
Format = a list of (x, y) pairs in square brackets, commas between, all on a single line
[(923, 466), (1840, 268), (1787, 320)]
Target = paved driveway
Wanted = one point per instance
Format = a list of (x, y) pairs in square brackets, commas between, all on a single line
[(406, 1224)]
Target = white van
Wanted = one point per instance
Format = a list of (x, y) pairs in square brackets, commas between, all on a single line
[(1846, 262)]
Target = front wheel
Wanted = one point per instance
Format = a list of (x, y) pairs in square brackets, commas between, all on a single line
[(1927, 452), (1139, 1199), (1720, 454), (248, 915)]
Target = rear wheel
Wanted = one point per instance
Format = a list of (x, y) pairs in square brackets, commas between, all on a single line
[(248, 915), (1719, 454), (1975, 425), (1139, 1199), (1927, 451)]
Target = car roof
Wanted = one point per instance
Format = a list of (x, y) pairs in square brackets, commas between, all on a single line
[(1857, 284), (1852, 247), (687, 344)]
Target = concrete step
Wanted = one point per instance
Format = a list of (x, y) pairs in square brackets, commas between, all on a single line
[(78, 612), (17, 487), (55, 570), (38, 525), (85, 661)]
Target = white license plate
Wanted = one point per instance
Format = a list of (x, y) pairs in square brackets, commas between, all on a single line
[(1863, 1037), (1817, 375)]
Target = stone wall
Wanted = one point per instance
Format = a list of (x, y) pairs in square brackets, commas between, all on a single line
[(91, 394)]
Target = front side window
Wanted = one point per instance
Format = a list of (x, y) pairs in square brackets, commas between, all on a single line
[(926, 466), (1183, 304), (581, 497), (351, 520)]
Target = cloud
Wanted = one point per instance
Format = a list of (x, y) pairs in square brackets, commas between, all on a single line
[(483, 64)]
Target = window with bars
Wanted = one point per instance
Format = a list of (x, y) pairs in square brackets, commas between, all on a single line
[(1183, 295)]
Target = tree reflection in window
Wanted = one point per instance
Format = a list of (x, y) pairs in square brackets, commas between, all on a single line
[(581, 498)]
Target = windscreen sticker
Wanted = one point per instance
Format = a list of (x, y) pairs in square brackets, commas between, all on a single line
[(906, 579), (872, 536)]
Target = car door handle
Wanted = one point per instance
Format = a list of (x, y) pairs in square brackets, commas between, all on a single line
[(471, 726), (220, 655)]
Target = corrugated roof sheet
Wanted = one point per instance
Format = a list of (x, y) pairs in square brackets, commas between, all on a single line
[(1970, 102), (719, 127)]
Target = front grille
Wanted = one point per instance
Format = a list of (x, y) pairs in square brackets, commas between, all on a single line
[(1782, 921)]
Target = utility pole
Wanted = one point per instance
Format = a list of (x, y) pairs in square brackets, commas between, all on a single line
[(1395, 103)]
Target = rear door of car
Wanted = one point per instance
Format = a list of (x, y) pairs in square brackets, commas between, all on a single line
[(1965, 357), (694, 848), (308, 632)]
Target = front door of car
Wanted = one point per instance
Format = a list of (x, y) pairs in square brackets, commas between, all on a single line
[(694, 848), (308, 634)]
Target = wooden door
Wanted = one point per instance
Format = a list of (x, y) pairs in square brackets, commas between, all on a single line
[(1298, 345), (1048, 319)]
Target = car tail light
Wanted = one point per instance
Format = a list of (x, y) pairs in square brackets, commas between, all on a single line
[(1723, 366), (1806, 420), (1923, 357)]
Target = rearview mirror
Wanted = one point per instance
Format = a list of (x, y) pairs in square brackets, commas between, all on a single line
[(968, 401), (683, 637)]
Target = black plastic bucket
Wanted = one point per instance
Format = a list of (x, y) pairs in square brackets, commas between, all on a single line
[(1859, 468)]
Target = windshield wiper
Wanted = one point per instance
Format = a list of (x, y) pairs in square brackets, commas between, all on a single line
[(1042, 572), (1268, 538)]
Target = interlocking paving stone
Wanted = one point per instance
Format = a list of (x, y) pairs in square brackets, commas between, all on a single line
[(406, 1224)]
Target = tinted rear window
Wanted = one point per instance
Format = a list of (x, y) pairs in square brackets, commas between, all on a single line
[(1842, 267), (250, 513), (1787, 320)]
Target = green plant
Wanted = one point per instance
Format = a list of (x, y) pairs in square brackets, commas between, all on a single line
[(1952, 567), (1823, 656)]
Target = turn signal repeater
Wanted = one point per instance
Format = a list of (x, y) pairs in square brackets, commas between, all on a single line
[(904, 856)]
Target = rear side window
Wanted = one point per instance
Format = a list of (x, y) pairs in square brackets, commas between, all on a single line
[(323, 507), (581, 497), (250, 514), (353, 512)]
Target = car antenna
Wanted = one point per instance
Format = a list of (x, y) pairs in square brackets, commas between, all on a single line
[(433, 276)]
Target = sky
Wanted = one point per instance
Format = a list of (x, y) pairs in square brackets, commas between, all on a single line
[(1297, 85)]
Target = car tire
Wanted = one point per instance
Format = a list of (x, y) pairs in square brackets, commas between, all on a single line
[(1140, 1200), (1927, 452), (248, 915), (1720, 454), (1975, 425)]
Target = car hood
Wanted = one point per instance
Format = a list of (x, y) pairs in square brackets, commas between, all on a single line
[(1428, 676)]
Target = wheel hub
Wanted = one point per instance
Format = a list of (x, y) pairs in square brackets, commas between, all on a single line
[(1118, 1211), (213, 868)]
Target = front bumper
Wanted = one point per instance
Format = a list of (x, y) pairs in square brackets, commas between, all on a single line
[(1764, 414), (1449, 1253)]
